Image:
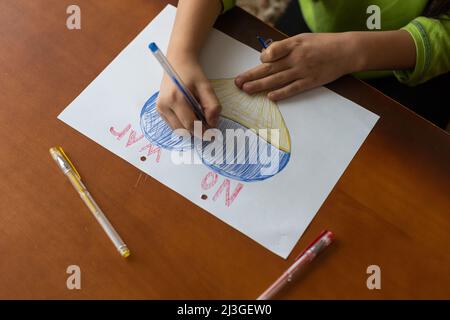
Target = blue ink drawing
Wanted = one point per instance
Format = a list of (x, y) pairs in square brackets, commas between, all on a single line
[(156, 129), (264, 155)]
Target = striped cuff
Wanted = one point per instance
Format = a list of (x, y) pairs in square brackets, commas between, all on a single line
[(423, 55)]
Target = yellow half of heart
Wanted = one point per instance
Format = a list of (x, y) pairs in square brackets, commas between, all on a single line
[(255, 112)]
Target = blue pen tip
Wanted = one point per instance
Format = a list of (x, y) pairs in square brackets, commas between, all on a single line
[(153, 47)]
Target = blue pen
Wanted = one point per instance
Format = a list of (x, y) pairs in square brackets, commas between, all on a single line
[(198, 110), (265, 44)]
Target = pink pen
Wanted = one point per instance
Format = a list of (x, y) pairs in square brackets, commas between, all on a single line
[(323, 240)]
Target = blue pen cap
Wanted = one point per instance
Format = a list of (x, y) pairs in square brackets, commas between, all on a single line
[(153, 47)]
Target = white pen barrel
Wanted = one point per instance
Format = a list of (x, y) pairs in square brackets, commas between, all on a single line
[(104, 222), (98, 214)]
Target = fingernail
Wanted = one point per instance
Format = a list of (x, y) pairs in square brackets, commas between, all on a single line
[(238, 81), (247, 87)]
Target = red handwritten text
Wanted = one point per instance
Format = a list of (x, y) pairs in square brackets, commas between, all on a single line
[(211, 179), (133, 139)]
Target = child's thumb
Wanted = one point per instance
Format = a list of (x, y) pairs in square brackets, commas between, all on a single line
[(211, 105), (275, 51)]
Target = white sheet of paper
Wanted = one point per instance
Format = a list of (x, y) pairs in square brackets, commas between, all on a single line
[(326, 131)]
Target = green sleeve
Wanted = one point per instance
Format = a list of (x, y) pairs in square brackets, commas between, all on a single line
[(432, 39), (227, 4)]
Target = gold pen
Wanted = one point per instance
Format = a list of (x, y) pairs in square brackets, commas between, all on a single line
[(69, 170)]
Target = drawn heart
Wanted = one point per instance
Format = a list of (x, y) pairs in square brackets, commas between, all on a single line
[(263, 153)]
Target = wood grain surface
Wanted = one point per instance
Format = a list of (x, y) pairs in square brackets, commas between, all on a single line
[(390, 208)]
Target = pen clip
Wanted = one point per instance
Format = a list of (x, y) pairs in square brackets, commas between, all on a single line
[(312, 244), (66, 161), (264, 43), (268, 42)]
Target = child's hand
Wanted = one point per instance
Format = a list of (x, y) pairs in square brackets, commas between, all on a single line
[(300, 63), (173, 106)]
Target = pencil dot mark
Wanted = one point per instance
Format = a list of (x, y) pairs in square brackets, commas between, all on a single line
[(204, 197), (143, 158)]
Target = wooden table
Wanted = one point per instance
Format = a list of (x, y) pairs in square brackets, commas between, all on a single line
[(390, 208)]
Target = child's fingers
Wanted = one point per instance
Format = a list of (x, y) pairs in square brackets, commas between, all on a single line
[(210, 103), (169, 96), (185, 114), (277, 50), (260, 71), (270, 82), (291, 89), (171, 119)]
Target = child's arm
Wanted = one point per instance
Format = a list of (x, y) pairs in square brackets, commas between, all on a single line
[(193, 21), (310, 60)]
